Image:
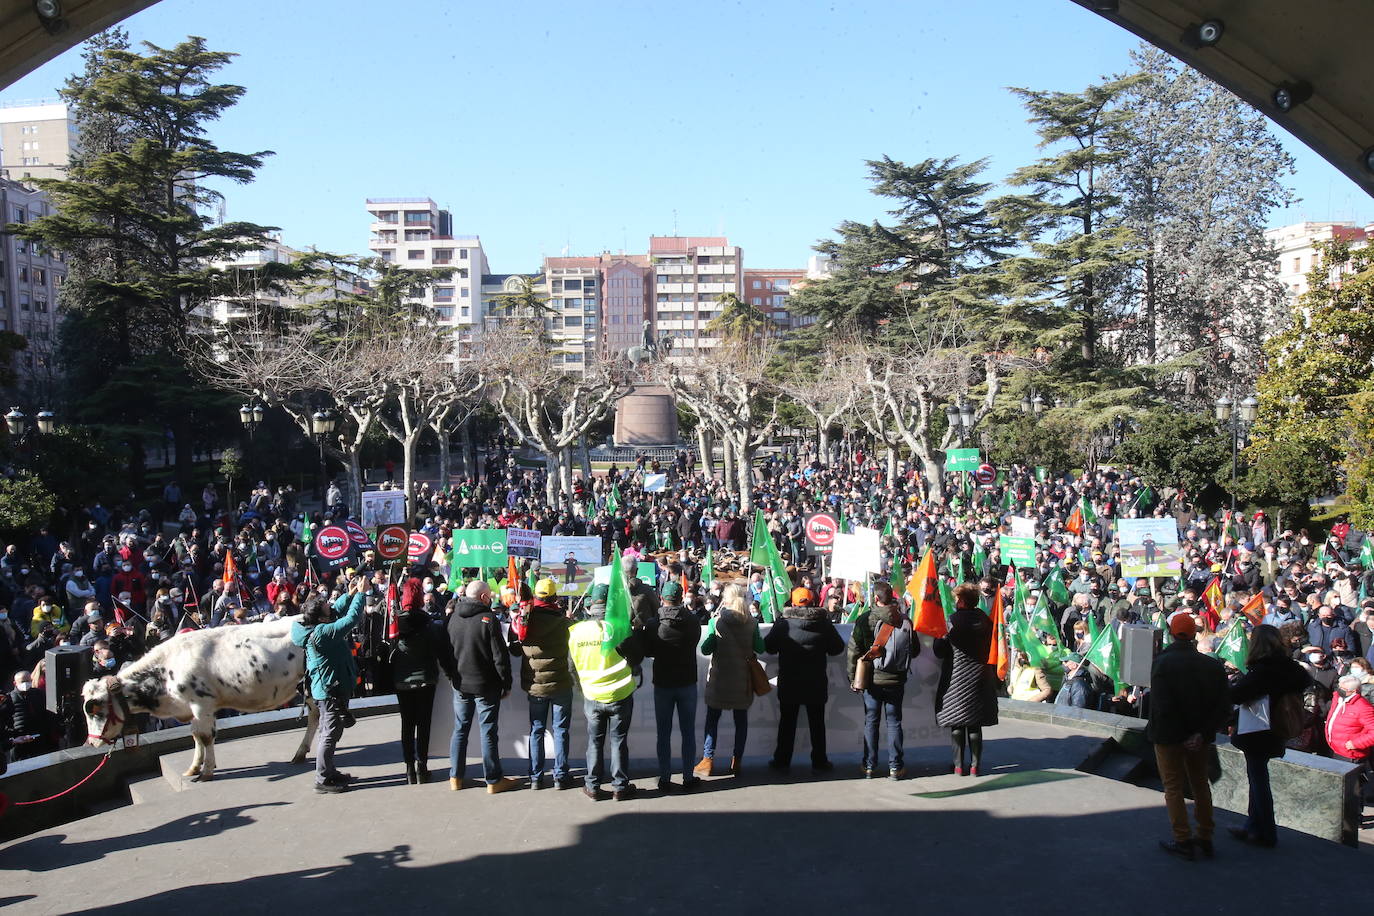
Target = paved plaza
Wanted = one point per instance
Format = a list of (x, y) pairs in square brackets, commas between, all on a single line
[(1034, 836)]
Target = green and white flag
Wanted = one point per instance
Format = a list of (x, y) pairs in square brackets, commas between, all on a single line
[(778, 585), (708, 569), (617, 627), (1105, 653), (613, 501), (1235, 645)]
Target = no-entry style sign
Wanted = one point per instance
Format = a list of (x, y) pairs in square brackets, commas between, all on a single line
[(985, 474), (357, 534), (419, 546), (392, 541), (332, 548), (821, 529)]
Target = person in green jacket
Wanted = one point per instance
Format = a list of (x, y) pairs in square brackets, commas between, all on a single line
[(332, 673)]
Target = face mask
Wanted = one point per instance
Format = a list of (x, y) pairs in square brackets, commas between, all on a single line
[(126, 567), (4, 615), (80, 574), (429, 587), (22, 688), (1314, 658)]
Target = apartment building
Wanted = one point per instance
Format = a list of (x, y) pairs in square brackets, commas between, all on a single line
[(248, 295), (573, 289), (689, 275), (36, 139), (415, 233), (627, 289), (30, 278), (768, 291), (1295, 247)]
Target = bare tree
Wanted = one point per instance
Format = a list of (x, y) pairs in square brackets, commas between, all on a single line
[(829, 394), (544, 407), (728, 387)]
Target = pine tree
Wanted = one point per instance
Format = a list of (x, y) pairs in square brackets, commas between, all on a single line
[(142, 193)]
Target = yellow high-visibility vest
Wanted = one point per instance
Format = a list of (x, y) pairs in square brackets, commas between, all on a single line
[(604, 673)]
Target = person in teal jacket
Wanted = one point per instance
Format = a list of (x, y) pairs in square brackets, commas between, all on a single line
[(332, 673)]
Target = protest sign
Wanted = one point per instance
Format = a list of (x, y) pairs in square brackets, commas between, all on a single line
[(856, 555), (383, 507), (1149, 547), (569, 561), (481, 548), (522, 542), (962, 459)]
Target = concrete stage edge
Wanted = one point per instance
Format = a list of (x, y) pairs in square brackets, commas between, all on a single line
[(1032, 837)]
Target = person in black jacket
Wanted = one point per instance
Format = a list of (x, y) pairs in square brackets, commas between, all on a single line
[(421, 647), (1270, 674), (966, 695), (481, 663), (801, 639), (1188, 703), (671, 642)]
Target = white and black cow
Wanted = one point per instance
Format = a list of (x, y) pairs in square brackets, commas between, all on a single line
[(251, 668)]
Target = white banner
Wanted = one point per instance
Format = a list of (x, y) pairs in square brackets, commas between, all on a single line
[(1022, 527), (856, 556), (654, 483), (522, 542), (383, 507)]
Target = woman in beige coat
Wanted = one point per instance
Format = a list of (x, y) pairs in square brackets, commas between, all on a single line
[(732, 642)]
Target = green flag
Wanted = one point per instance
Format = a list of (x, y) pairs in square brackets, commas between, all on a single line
[(946, 597), (1089, 515), (1009, 500), (980, 558), (1105, 653), (455, 574), (617, 626), (708, 569), (1144, 500), (613, 501), (308, 533), (1042, 473), (896, 578), (1367, 553), (1041, 618), (1321, 557), (887, 529), (1235, 645), (1054, 585), (778, 585)]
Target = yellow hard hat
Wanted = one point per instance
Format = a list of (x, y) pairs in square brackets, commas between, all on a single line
[(545, 588)]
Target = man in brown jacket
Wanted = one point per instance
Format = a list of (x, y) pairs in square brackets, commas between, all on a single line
[(546, 676)]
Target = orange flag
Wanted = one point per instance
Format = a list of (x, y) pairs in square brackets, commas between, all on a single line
[(927, 613), (997, 651), (512, 576), (1075, 521), (1212, 596), (1254, 609), (230, 570)]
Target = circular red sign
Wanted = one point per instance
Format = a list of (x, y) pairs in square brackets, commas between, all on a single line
[(821, 528), (985, 473), (332, 542), (357, 533), (392, 542), (419, 545)]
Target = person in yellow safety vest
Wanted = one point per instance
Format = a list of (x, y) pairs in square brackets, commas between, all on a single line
[(608, 686)]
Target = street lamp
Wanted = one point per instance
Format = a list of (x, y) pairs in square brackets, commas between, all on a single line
[(17, 423), (1032, 405), (322, 423), (1240, 417), (250, 415), (960, 418)]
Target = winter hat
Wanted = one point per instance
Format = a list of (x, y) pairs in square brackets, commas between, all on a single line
[(1182, 625)]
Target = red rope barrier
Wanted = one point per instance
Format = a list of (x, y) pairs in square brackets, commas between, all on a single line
[(5, 802)]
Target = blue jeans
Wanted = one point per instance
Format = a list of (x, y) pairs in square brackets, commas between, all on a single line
[(684, 701), (615, 719), (1260, 823), (488, 711), (708, 747), (561, 726), (888, 701)]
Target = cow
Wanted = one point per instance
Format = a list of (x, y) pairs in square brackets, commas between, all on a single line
[(251, 668)]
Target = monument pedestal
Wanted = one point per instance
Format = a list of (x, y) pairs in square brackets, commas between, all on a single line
[(647, 416)]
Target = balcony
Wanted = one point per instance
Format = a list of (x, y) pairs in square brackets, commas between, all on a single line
[(674, 287)]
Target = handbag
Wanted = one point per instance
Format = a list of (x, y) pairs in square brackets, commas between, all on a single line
[(758, 678), (1254, 717), (863, 668)]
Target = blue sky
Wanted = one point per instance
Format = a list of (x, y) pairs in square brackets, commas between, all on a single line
[(593, 125)]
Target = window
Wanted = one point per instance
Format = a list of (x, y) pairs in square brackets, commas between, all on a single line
[(573, 303), (572, 321), (758, 284), (444, 314), (572, 283), (463, 293), (40, 305), (40, 277), (443, 294), (29, 160), (417, 217), (416, 235), (462, 273), (757, 301), (779, 302), (23, 274), (443, 255), (463, 311), (1297, 265), (784, 284), (23, 302), (415, 254), (20, 216), (572, 357), (387, 254), (462, 254)]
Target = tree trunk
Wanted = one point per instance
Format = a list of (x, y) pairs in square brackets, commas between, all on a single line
[(1150, 293), (471, 459), (565, 475), (444, 457), (744, 467), (935, 476), (891, 464), (585, 456), (409, 446), (704, 448), (728, 461), (823, 443), (355, 477), (553, 462)]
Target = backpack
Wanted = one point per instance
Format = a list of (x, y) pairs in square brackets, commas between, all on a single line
[(1287, 715), (896, 656)]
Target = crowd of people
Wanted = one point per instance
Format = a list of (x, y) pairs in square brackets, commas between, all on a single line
[(134, 578)]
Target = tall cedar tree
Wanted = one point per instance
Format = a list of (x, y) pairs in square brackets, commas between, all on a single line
[(135, 215)]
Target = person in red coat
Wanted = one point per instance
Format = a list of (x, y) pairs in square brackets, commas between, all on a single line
[(278, 587), (1350, 722)]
